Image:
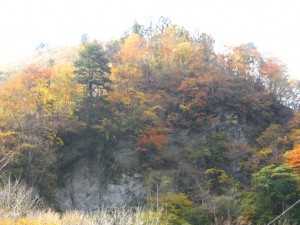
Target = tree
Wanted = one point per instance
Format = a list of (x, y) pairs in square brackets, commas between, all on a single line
[(272, 143), (84, 38), (41, 46), (275, 189), (217, 180), (92, 72), (293, 159), (243, 61), (92, 69), (276, 80)]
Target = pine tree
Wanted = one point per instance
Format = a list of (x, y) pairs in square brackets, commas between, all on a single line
[(92, 73)]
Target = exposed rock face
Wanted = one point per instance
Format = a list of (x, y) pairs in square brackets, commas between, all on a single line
[(92, 183), (96, 176)]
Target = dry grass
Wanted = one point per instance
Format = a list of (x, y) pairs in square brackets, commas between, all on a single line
[(20, 205), (125, 216), (118, 216), (17, 199), (76, 218)]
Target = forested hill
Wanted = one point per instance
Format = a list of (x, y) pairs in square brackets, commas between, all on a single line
[(213, 136)]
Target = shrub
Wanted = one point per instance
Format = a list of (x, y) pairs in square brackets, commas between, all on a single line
[(17, 199)]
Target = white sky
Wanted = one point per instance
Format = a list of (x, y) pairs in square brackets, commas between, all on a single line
[(272, 25)]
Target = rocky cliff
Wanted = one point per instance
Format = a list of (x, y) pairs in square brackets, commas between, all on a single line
[(95, 174)]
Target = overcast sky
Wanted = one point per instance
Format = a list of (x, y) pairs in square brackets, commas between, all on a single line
[(272, 25)]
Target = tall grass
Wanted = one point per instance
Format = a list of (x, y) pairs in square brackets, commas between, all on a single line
[(20, 205), (17, 199), (118, 216)]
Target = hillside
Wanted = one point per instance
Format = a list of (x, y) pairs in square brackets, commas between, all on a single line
[(156, 119), (41, 58)]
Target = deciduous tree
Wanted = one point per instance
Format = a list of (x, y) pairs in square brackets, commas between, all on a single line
[(293, 158)]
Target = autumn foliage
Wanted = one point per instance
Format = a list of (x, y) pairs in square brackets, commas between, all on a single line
[(151, 138), (155, 89), (293, 158)]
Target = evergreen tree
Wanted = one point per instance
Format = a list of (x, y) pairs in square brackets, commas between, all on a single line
[(92, 72)]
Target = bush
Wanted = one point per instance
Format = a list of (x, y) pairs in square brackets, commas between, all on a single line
[(17, 199), (199, 216)]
